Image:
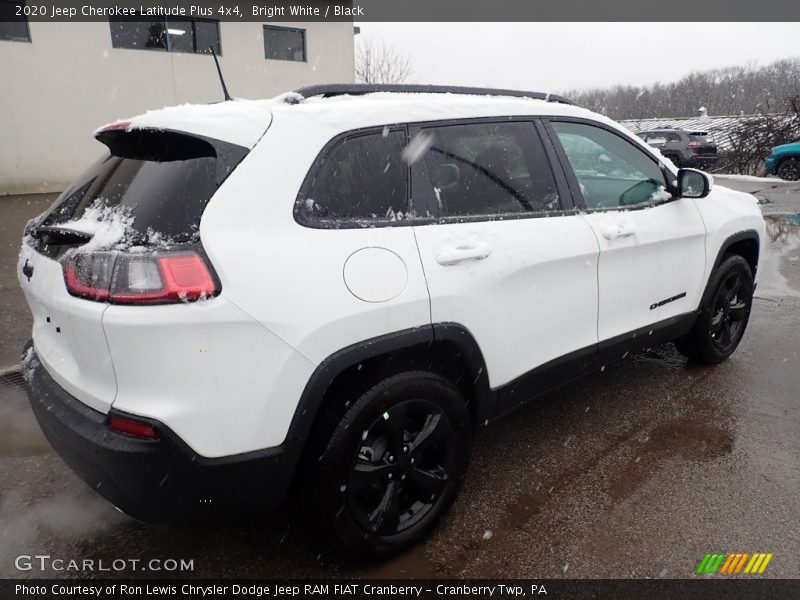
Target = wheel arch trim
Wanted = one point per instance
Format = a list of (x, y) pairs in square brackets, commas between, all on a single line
[(741, 236), (750, 235), (311, 399)]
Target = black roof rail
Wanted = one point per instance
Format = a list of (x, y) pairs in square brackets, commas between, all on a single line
[(357, 89)]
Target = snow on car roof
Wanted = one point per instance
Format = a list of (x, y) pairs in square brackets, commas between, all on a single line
[(243, 122), (384, 108)]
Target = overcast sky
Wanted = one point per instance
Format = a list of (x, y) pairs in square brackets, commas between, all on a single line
[(558, 57)]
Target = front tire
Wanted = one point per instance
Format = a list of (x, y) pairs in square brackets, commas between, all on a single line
[(393, 465), (789, 169), (724, 315)]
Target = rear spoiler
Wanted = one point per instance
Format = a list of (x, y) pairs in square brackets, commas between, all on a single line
[(165, 145)]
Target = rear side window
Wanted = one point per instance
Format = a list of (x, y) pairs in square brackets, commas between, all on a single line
[(484, 169), (159, 182), (361, 181), (660, 137)]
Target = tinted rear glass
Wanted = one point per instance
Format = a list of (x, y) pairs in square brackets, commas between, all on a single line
[(162, 181), (702, 138), (362, 180), (481, 169)]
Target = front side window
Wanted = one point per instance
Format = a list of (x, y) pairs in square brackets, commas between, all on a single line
[(284, 43), (654, 138), (484, 169), (13, 28), (171, 35), (611, 171), (362, 180)]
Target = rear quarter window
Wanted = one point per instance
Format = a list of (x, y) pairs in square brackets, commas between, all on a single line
[(360, 181)]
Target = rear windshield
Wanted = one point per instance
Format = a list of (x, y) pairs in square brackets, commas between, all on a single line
[(160, 181), (702, 138)]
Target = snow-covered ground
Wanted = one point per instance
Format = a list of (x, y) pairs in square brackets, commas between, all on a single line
[(752, 178)]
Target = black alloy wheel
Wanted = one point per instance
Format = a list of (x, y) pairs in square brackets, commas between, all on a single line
[(723, 314), (730, 312), (789, 170), (390, 464), (401, 467)]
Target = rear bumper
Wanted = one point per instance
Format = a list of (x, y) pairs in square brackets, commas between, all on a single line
[(162, 480)]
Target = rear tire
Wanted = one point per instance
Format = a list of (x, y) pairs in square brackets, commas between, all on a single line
[(724, 314), (393, 464), (789, 169)]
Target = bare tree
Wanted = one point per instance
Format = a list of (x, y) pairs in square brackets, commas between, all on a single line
[(754, 137), (377, 62), (728, 91)]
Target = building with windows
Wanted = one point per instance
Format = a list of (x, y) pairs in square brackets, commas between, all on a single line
[(63, 80)]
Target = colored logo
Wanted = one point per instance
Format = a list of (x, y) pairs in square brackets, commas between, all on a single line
[(734, 563)]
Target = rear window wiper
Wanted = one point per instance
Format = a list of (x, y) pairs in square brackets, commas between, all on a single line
[(53, 235)]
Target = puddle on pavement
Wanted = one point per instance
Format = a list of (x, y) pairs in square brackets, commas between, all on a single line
[(412, 563), (20, 434), (523, 508), (684, 438), (779, 275), (783, 230), (793, 219)]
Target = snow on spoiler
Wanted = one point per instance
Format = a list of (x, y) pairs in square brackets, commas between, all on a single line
[(240, 122)]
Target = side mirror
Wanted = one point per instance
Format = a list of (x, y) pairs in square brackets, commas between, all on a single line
[(694, 184)]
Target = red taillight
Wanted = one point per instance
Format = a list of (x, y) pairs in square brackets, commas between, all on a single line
[(162, 279), (118, 126), (89, 275), (134, 427), (695, 144), (139, 278)]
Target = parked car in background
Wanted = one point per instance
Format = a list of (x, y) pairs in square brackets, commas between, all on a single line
[(784, 161), (684, 148)]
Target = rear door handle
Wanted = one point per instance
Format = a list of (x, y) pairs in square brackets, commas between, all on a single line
[(453, 256), (614, 232)]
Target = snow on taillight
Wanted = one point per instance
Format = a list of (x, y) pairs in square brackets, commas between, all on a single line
[(123, 278)]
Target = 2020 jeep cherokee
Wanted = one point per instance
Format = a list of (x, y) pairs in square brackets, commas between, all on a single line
[(694, 149), (339, 286)]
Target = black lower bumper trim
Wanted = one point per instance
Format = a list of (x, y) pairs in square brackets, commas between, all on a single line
[(161, 480)]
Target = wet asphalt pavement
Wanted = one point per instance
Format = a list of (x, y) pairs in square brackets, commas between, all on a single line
[(635, 471)]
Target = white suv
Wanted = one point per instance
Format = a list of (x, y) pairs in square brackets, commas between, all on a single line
[(336, 288)]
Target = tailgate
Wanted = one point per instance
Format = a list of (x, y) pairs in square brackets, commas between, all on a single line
[(148, 192), (67, 332)]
